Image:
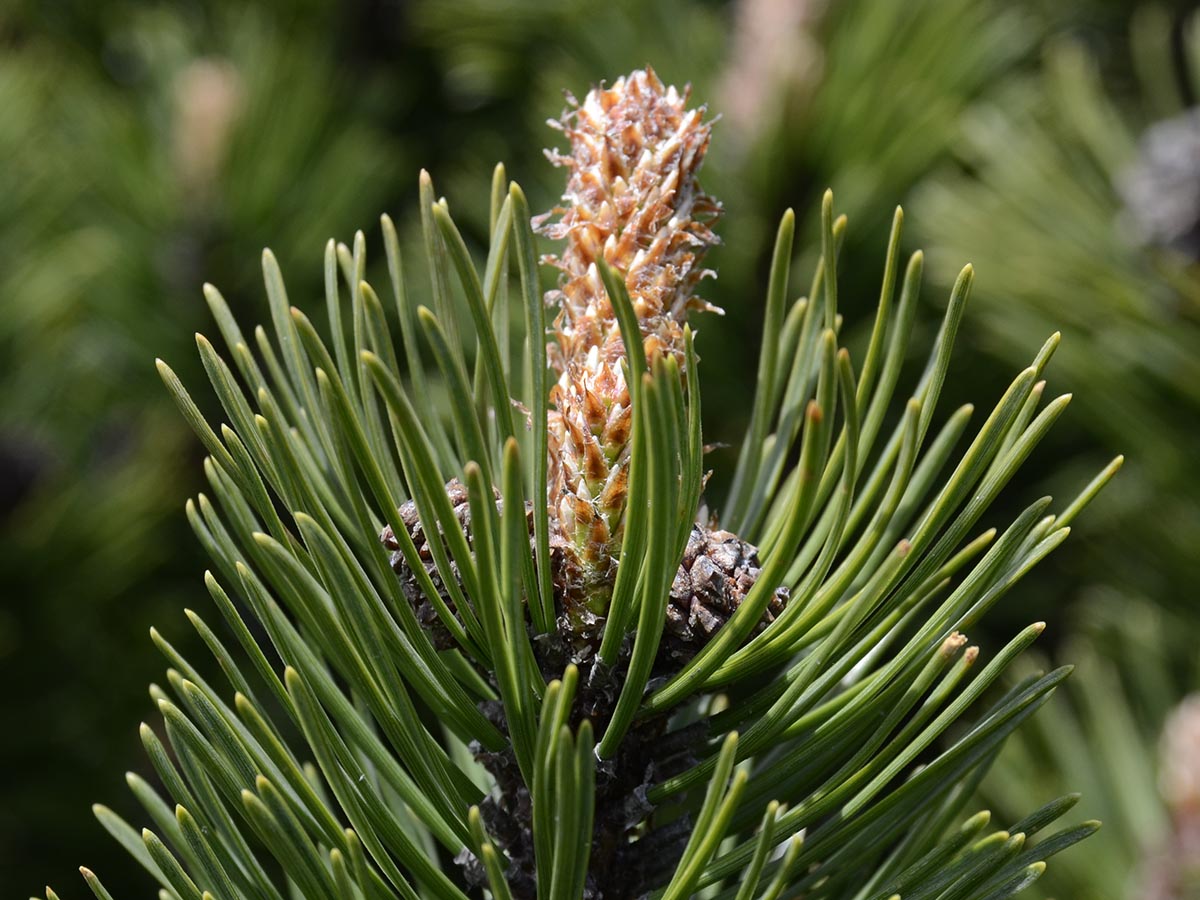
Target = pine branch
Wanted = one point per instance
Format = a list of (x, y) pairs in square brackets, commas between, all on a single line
[(467, 679)]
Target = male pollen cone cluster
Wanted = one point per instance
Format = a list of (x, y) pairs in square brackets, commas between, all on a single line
[(632, 199)]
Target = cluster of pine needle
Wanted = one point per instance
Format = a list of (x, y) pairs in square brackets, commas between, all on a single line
[(489, 640)]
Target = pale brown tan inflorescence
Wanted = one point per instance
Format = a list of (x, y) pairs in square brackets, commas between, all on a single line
[(632, 199)]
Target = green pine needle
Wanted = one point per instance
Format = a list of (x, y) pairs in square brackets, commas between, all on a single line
[(348, 756)]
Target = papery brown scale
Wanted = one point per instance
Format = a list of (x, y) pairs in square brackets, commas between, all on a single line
[(596, 466), (608, 383), (617, 431), (576, 433), (653, 346), (583, 511), (563, 516), (591, 240), (614, 493), (599, 535), (594, 412)]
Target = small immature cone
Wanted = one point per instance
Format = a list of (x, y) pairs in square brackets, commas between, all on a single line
[(632, 199)]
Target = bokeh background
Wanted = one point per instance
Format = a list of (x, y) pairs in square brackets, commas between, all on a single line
[(148, 147)]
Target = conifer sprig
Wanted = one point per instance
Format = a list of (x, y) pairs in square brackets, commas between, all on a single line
[(824, 751)]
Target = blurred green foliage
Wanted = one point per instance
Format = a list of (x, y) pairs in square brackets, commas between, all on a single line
[(1046, 196), (148, 147), (1077, 190), (143, 153), (1104, 737)]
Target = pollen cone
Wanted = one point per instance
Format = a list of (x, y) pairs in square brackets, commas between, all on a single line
[(632, 200)]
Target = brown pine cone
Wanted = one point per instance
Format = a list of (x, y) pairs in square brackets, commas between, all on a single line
[(716, 574), (426, 613)]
